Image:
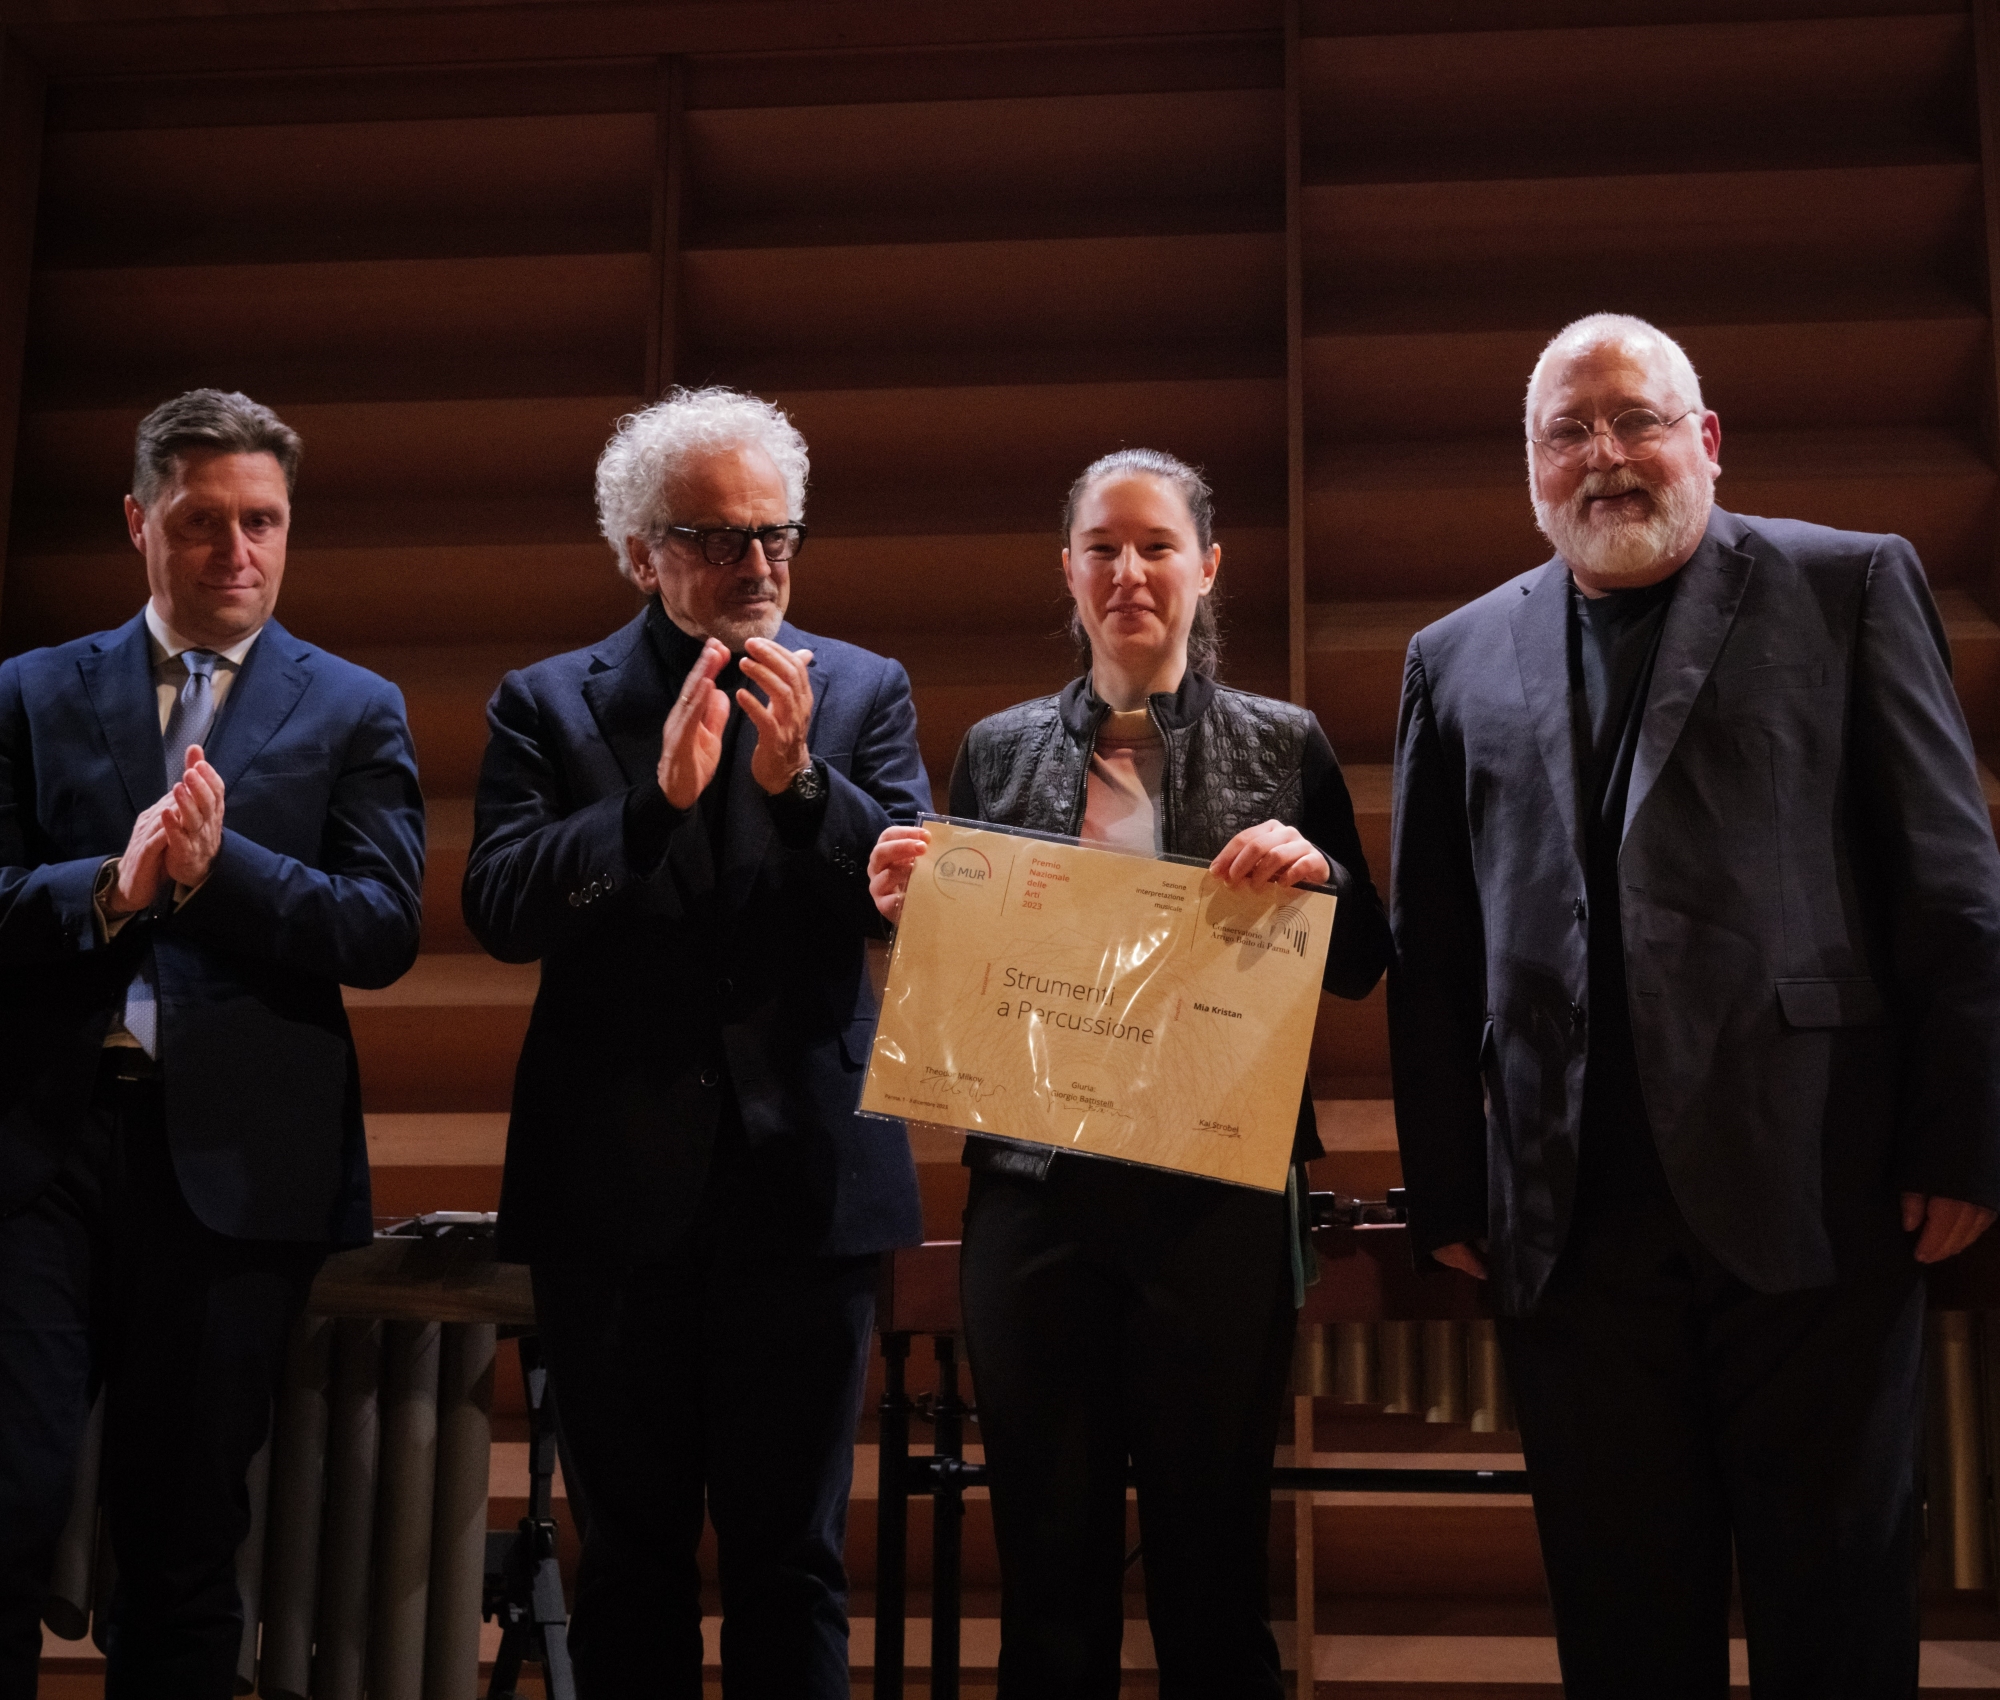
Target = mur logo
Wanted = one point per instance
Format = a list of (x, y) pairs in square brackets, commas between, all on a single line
[(963, 868)]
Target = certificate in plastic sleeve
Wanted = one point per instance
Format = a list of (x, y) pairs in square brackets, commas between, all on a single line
[(1119, 1005)]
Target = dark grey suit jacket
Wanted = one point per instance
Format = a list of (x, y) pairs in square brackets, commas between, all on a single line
[(1810, 898)]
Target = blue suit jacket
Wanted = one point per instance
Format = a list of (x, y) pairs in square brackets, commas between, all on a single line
[(317, 884), (1810, 900), (656, 985)]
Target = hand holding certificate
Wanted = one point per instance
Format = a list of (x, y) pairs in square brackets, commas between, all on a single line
[(1105, 1003)]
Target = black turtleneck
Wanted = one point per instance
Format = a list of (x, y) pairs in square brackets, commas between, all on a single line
[(1613, 640), (650, 820)]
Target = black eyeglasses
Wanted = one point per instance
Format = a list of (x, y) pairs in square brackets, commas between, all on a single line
[(725, 545), (1639, 433)]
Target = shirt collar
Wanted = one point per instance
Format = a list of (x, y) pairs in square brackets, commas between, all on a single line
[(168, 643)]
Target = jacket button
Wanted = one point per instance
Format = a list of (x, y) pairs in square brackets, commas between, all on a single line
[(576, 900), (1579, 909), (1576, 1014), (711, 1077)]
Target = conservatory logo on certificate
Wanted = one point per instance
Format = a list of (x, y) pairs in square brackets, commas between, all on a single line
[(1104, 1003)]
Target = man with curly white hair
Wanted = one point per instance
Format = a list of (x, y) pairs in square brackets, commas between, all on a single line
[(676, 823)]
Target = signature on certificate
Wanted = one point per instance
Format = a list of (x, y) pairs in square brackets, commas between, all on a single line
[(947, 1083)]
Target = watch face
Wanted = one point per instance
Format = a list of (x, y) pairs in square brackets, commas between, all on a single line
[(808, 784)]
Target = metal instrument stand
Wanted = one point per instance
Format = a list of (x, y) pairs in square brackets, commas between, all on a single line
[(523, 1583)]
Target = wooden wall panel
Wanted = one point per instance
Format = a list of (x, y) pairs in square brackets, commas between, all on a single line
[(143, 37), (364, 189), (1818, 247), (962, 301), (21, 95), (1313, 245)]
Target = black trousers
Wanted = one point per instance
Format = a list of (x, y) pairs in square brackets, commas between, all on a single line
[(1670, 1415), (1116, 1313), (109, 1277), (726, 1378)]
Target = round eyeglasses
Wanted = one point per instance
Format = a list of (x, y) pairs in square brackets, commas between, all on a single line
[(725, 545), (1639, 432)]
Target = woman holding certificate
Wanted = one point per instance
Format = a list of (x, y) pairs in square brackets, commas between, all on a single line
[(1114, 1311)]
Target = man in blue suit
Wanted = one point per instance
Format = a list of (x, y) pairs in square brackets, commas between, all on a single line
[(1695, 1015), (206, 828), (676, 822)]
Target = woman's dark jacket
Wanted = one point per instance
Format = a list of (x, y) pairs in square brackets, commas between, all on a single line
[(1233, 760)]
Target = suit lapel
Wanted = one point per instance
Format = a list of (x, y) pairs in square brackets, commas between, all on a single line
[(266, 690), (1698, 619), (629, 694), (119, 680), (1541, 652)]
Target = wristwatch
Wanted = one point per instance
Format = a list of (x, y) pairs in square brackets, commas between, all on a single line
[(809, 783)]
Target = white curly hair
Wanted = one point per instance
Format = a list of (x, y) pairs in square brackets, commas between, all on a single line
[(642, 463)]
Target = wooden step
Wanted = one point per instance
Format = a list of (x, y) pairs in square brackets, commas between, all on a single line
[(331, 330), (1367, 383), (1368, 788), (445, 692), (567, 595), (1359, 1134), (880, 591), (445, 1037), (761, 315), (448, 841), (324, 95), (885, 461), (1740, 242), (1352, 1666), (1354, 680), (971, 69), (382, 453), (1350, 1047), (425, 1162), (326, 186), (1714, 92), (1452, 517), (913, 170), (452, 1161), (1001, 457)]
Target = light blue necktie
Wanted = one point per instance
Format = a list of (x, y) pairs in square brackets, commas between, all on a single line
[(188, 722)]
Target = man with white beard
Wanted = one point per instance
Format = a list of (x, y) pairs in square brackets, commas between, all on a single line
[(1695, 1016)]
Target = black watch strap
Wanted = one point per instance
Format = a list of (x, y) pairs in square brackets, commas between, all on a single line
[(809, 783)]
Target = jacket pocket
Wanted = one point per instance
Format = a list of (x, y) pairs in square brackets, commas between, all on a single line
[(1853, 1001), (1751, 684)]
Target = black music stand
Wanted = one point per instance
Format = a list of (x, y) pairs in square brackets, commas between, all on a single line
[(523, 1583)]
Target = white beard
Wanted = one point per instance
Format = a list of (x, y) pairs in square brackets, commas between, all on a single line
[(1628, 551)]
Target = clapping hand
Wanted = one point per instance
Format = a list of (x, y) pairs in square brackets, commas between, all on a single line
[(175, 839), (691, 740), (785, 716), (191, 822)]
